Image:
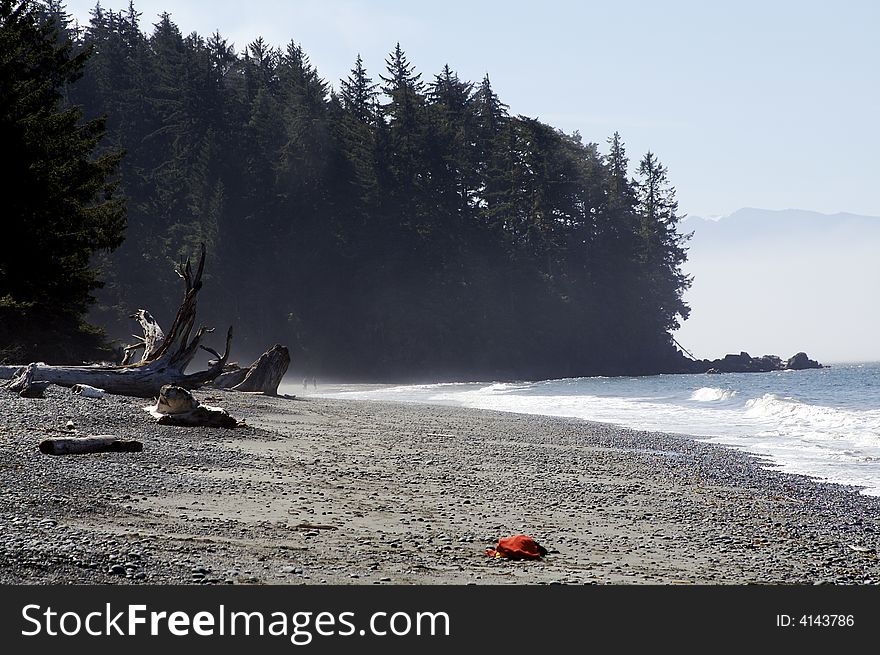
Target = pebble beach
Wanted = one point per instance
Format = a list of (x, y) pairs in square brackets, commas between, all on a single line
[(317, 491)]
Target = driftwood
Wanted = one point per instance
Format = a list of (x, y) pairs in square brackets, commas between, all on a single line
[(23, 383), (150, 342), (101, 443), (165, 365), (264, 375), (232, 375), (86, 391), (177, 406), (313, 526)]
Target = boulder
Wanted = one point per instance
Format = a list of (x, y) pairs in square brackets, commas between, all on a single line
[(745, 363), (800, 362)]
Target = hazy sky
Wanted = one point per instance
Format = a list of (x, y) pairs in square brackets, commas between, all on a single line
[(762, 104), (778, 282)]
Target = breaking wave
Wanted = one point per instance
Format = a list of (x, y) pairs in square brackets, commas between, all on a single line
[(821, 423), (712, 394)]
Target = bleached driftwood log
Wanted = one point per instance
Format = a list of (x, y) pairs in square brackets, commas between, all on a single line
[(166, 365), (86, 391), (232, 375), (101, 443), (23, 384), (150, 342), (264, 375), (177, 406)]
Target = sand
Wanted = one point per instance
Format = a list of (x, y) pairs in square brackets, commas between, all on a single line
[(315, 491)]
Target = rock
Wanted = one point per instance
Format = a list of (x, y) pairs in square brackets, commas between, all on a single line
[(800, 362), (116, 569), (745, 363)]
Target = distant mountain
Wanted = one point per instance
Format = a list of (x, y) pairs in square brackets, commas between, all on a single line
[(775, 282), (788, 224)]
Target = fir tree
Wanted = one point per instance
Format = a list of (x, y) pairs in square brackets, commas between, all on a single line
[(359, 94), (57, 190), (663, 248), (405, 91)]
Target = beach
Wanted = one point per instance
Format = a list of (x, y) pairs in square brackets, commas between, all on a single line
[(318, 491)]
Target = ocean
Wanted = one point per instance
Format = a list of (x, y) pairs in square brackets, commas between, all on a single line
[(823, 423)]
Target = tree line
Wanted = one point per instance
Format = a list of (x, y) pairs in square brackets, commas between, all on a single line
[(389, 227)]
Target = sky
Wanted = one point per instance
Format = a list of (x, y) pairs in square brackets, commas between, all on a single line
[(769, 104), (779, 282)]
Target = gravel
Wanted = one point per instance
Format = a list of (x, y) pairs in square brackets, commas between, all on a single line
[(405, 493)]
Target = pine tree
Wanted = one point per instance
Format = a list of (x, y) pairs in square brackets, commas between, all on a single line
[(407, 194), (663, 248), (620, 188), (300, 82), (491, 122), (491, 112), (358, 94), (60, 194), (222, 55), (356, 128), (405, 91), (260, 68), (452, 135)]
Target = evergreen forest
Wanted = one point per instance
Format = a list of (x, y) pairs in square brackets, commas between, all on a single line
[(392, 225)]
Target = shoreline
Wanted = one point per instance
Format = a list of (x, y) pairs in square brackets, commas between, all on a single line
[(791, 422), (317, 491)]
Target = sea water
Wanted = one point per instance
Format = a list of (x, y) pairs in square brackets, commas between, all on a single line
[(824, 423)]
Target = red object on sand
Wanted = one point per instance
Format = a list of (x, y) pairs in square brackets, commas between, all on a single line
[(519, 546)]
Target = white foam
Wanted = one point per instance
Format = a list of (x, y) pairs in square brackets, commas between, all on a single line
[(712, 394), (839, 443)]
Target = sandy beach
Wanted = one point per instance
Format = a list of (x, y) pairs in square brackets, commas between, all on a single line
[(314, 491)]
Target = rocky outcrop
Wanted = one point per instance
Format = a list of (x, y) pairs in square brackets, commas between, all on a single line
[(800, 361), (745, 363)]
